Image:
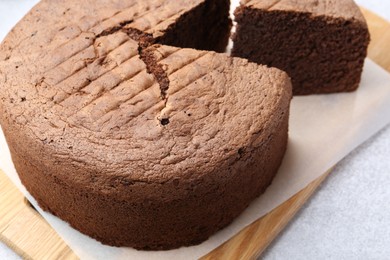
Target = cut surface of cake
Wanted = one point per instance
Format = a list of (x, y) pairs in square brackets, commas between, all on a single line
[(321, 44), (131, 141)]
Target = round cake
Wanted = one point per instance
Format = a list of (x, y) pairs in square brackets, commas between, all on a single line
[(131, 141)]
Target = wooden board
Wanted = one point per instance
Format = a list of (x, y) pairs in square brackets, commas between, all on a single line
[(28, 234)]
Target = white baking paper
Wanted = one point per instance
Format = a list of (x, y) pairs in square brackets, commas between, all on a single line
[(323, 130)]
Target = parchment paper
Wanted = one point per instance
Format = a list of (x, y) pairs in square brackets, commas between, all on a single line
[(323, 130)]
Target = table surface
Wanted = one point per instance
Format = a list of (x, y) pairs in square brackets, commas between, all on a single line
[(349, 216)]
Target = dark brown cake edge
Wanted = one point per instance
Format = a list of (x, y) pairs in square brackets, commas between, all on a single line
[(211, 32)]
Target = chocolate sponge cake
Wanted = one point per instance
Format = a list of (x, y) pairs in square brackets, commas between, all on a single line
[(321, 44), (131, 141)]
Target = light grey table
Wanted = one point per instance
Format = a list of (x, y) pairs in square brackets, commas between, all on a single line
[(348, 218)]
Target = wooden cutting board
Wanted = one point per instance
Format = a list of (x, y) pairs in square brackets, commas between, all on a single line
[(29, 235)]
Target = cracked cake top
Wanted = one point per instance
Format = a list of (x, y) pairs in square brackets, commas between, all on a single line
[(90, 94)]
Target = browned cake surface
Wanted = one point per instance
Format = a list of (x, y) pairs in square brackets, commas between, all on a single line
[(321, 44), (333, 8), (135, 143)]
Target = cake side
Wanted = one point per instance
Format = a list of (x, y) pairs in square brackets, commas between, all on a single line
[(322, 54)]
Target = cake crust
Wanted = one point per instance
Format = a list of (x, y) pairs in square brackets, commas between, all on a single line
[(345, 9)]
